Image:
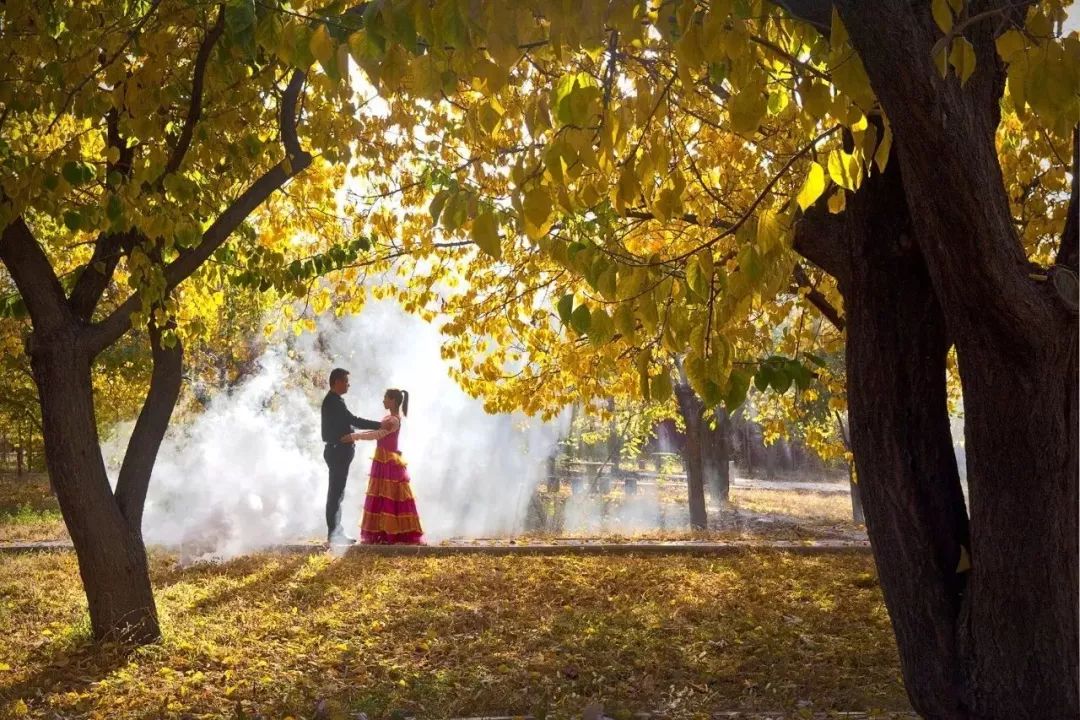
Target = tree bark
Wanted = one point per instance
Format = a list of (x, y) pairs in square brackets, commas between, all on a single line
[(1016, 343), (899, 428), (111, 555), (900, 437), (716, 454), (691, 408), (134, 478)]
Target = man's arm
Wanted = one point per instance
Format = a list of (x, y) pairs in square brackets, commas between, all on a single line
[(361, 424), (385, 428), (358, 422)]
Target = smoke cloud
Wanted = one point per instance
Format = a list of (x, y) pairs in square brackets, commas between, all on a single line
[(248, 473)]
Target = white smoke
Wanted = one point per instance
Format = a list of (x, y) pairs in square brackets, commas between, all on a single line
[(248, 473)]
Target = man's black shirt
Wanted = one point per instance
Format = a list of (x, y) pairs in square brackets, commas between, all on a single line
[(337, 421)]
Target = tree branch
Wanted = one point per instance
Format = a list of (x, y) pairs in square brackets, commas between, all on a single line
[(297, 160), (142, 449), (198, 77), (33, 275), (818, 300), (94, 277), (822, 238)]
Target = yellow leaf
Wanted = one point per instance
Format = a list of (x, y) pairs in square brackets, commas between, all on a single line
[(962, 57), (322, 45), (485, 233), (813, 186), (941, 59), (769, 231), (1010, 43), (20, 709), (837, 201), (844, 169), (881, 155), (537, 206), (942, 15), (815, 98)]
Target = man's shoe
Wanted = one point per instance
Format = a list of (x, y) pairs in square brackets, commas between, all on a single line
[(342, 539)]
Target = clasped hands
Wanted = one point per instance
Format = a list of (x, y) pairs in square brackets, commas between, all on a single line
[(350, 438)]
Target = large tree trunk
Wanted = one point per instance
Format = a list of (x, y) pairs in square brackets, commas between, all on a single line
[(908, 481), (1016, 342), (112, 559), (691, 407)]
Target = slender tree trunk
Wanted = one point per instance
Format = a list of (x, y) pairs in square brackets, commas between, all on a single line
[(717, 455), (691, 407), (112, 559), (858, 515)]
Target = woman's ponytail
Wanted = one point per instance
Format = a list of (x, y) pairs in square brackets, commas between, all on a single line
[(405, 403)]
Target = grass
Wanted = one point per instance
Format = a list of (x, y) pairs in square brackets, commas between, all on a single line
[(28, 509), (799, 504), (308, 636)]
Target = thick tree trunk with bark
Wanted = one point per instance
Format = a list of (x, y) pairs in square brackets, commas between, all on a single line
[(1003, 644), (691, 408), (112, 558), (908, 481), (1016, 342)]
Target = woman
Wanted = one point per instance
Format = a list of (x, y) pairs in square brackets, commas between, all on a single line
[(389, 508)]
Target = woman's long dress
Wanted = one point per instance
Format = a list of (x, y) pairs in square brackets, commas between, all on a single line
[(390, 515)]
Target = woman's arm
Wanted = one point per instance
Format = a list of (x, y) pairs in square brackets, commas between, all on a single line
[(388, 426)]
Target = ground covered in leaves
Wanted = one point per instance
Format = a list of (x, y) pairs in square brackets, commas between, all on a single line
[(29, 513), (310, 636)]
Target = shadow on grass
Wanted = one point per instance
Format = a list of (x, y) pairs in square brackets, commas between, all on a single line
[(67, 668)]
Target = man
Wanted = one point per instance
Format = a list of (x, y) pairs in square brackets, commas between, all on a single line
[(337, 426)]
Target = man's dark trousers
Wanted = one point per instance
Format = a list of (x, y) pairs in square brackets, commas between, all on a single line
[(338, 457)]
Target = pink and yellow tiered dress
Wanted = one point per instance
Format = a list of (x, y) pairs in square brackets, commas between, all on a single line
[(390, 516)]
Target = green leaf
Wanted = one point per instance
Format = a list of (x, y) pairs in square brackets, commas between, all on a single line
[(624, 321), (579, 319), (802, 375), (738, 384), (240, 24), (601, 328), (813, 186), (77, 173), (762, 378), (781, 379), (485, 233), (565, 306), (113, 209), (72, 220)]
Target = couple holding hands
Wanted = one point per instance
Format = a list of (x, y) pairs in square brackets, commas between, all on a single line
[(389, 508)]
